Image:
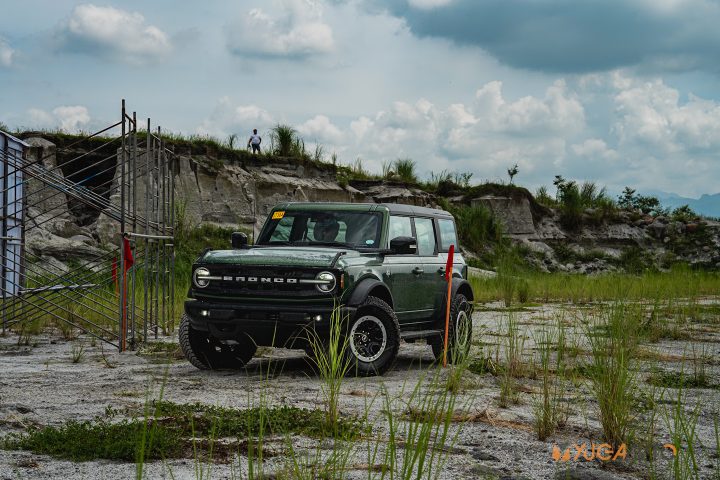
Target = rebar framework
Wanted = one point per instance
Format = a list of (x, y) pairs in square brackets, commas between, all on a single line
[(104, 293)]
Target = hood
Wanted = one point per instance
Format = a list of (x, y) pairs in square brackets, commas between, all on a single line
[(276, 256)]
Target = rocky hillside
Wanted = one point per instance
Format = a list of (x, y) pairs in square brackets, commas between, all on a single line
[(235, 189), (627, 241)]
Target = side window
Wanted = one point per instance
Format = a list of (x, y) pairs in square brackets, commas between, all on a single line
[(399, 227), (447, 234), (425, 236)]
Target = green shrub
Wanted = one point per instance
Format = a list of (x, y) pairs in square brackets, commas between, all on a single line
[(606, 208), (684, 214), (571, 205), (83, 441), (628, 200), (437, 179), (477, 227), (462, 179), (636, 260), (405, 169), (283, 140), (523, 288), (543, 197)]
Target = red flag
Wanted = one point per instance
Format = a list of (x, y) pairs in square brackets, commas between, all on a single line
[(449, 264), (128, 262), (127, 254)]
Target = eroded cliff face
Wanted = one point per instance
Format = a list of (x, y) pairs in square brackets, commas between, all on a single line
[(240, 194), (605, 244), (207, 190), (243, 195)]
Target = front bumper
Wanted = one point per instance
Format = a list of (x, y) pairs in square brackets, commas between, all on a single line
[(271, 325)]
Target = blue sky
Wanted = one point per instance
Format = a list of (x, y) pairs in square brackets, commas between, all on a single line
[(618, 92)]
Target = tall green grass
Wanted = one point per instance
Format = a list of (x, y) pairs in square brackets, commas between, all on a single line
[(678, 283), (333, 361), (614, 339), (405, 170), (547, 409)]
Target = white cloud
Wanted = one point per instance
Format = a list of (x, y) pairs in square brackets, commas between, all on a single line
[(593, 147), (228, 118), (361, 126), (115, 33), (653, 138), (320, 129), (651, 113), (428, 4), (299, 31), (7, 54), (558, 111), (40, 118), (68, 118), (484, 137)]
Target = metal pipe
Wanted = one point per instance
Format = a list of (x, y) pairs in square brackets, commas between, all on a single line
[(154, 237), (121, 267), (85, 286), (148, 150)]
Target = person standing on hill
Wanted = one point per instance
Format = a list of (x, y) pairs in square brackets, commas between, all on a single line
[(255, 141)]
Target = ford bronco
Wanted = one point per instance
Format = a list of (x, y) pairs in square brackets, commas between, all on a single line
[(381, 265)]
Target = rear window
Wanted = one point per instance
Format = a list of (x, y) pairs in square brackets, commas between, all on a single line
[(447, 234), (425, 236)]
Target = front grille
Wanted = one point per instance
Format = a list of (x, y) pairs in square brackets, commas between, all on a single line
[(238, 280)]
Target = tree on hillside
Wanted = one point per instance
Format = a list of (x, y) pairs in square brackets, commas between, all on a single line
[(512, 172)]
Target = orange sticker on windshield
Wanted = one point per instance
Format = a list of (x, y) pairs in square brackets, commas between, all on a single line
[(278, 215)]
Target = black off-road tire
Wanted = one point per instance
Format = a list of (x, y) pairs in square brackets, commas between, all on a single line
[(455, 352), (373, 308), (207, 353)]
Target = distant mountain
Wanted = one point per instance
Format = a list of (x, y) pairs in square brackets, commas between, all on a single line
[(708, 205)]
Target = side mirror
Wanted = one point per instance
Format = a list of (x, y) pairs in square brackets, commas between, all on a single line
[(238, 240), (403, 246)]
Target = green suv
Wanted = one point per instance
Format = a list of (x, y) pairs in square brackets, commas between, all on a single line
[(382, 266)]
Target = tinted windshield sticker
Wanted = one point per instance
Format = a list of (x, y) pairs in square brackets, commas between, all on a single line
[(278, 215)]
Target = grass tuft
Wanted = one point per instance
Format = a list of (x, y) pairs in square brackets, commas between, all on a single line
[(613, 376)]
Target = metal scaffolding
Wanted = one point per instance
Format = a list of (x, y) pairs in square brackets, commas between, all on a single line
[(121, 292)]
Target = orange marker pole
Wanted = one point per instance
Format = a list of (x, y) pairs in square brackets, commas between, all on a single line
[(448, 276), (447, 316)]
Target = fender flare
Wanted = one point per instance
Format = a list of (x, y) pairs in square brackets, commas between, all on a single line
[(367, 286), (460, 285)]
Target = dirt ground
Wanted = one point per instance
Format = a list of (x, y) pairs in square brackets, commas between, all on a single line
[(40, 385)]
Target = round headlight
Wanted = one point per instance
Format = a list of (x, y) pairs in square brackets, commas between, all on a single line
[(328, 280), (199, 277)]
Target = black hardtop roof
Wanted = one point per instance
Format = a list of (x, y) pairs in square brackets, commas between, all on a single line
[(392, 208)]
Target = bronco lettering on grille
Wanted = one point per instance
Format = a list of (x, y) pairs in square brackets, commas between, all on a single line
[(264, 279)]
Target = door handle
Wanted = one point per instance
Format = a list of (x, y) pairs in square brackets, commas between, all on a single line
[(418, 271), (441, 271)]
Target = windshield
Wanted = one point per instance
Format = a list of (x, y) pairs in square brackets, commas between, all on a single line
[(328, 228)]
